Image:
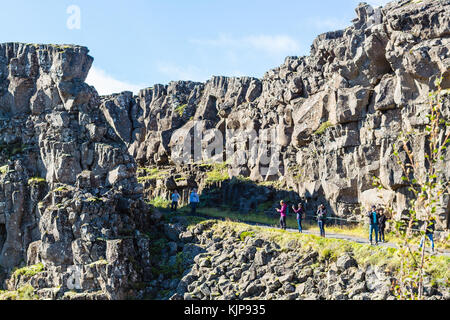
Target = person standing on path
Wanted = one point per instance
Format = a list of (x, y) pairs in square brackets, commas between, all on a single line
[(321, 218), (373, 218), (283, 213), (175, 199), (300, 213), (381, 225), (194, 200), (431, 227)]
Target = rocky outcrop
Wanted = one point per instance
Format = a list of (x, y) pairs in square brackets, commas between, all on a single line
[(68, 190), (223, 261), (335, 113)]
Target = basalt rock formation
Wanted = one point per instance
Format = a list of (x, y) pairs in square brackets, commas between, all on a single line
[(70, 197), (68, 191), (336, 113)]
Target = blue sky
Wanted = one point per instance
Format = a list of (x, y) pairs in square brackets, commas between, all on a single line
[(138, 43)]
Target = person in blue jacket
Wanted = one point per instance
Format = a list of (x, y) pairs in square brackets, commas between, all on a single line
[(175, 198), (373, 218), (194, 200)]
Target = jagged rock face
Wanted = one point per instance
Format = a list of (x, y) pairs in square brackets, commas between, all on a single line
[(68, 191), (366, 83)]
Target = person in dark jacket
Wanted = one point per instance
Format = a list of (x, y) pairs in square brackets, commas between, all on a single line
[(431, 227), (321, 218), (381, 225), (373, 218), (300, 213)]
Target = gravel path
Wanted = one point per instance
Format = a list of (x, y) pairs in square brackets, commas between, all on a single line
[(439, 252)]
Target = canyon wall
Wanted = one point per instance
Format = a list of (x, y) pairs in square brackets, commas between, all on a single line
[(335, 114)]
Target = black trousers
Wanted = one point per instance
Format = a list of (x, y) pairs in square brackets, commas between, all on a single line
[(283, 223), (174, 206), (193, 207), (381, 232)]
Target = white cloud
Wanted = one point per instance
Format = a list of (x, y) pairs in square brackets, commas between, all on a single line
[(106, 84), (190, 73), (280, 44), (270, 44), (175, 72)]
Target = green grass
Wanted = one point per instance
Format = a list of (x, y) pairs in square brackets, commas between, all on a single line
[(245, 234), (160, 202), (36, 180), (29, 271), (23, 293), (151, 174), (218, 173), (323, 127)]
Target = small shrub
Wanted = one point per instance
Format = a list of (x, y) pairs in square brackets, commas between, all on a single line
[(180, 109), (4, 169), (160, 202)]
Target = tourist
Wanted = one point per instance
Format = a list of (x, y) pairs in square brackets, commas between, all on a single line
[(300, 213), (194, 200), (175, 199), (373, 218), (283, 213), (321, 218), (381, 225), (429, 231)]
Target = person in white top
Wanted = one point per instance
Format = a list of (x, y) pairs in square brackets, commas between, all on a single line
[(175, 199)]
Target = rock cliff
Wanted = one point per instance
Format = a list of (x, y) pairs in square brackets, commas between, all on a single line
[(330, 119), (68, 186)]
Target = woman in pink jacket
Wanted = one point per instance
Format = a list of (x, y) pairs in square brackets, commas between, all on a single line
[(283, 212)]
